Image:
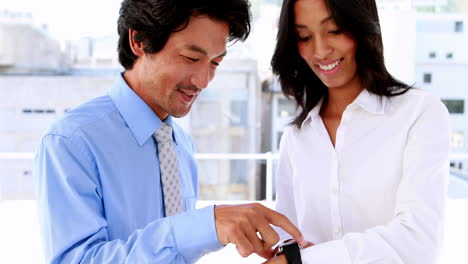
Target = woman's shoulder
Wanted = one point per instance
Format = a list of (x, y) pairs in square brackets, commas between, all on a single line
[(290, 130), (291, 133), (418, 100), (418, 104), (416, 94)]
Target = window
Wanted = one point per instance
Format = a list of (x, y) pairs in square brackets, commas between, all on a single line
[(449, 55), (238, 113), (459, 26), (286, 108), (457, 139), (427, 78), (38, 111), (455, 106), (456, 165), (432, 55)]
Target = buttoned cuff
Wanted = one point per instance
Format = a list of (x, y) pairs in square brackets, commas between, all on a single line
[(195, 233), (333, 252)]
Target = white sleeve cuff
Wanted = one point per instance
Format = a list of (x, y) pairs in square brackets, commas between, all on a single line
[(333, 252)]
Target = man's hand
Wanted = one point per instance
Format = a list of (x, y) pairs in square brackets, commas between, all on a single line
[(239, 224)]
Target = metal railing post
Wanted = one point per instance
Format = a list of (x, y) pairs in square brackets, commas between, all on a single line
[(269, 177)]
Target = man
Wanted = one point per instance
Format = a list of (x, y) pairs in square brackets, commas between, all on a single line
[(116, 177)]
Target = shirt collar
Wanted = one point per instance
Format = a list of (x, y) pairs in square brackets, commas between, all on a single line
[(370, 102), (314, 113), (140, 118)]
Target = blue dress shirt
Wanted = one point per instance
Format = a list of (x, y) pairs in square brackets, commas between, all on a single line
[(99, 188)]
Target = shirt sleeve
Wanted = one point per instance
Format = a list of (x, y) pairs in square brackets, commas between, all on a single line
[(284, 193), (74, 226), (414, 234)]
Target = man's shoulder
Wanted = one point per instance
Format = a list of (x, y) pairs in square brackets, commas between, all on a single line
[(87, 115)]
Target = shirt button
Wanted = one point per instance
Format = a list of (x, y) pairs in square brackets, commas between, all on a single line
[(335, 191)]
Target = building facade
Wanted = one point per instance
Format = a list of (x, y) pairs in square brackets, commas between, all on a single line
[(39, 81), (442, 67)]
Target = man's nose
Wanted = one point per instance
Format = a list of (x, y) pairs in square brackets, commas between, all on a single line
[(201, 78)]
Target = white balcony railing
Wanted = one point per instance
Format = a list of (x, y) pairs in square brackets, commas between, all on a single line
[(268, 157)]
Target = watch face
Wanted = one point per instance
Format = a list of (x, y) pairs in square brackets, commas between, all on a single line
[(278, 250), (286, 243), (291, 250)]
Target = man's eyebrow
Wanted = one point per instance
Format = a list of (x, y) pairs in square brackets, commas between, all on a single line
[(202, 51), (197, 49), (222, 55)]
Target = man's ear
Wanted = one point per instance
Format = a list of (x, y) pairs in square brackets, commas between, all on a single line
[(137, 47)]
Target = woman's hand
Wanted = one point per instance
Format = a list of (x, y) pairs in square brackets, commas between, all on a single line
[(281, 259), (307, 244)]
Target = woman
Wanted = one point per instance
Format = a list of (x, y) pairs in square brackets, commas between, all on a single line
[(364, 165)]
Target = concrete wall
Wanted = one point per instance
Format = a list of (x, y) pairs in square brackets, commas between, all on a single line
[(399, 40), (24, 48), (20, 130)]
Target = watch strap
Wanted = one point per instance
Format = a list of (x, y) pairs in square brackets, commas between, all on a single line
[(292, 253)]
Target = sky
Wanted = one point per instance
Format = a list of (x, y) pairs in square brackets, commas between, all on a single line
[(67, 19)]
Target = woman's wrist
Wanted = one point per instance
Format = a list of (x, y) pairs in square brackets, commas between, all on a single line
[(291, 251)]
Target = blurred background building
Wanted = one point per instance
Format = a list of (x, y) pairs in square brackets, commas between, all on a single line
[(442, 66), (39, 82), (236, 123)]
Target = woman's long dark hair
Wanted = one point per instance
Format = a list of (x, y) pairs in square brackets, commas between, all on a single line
[(360, 19)]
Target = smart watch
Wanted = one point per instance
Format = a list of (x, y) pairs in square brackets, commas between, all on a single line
[(291, 250)]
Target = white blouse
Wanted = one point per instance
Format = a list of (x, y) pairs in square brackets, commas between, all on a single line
[(378, 196)]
